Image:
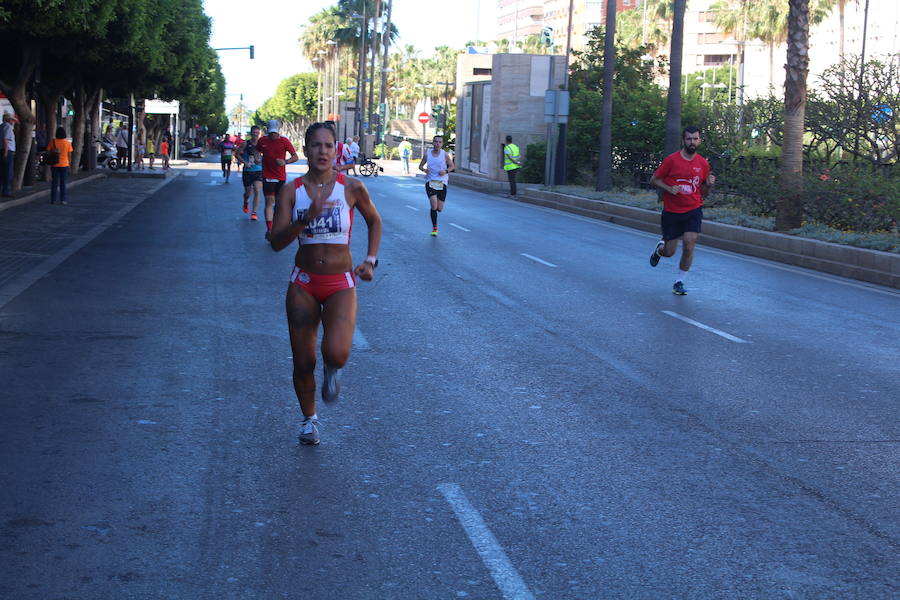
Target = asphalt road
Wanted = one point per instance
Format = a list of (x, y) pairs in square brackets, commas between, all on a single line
[(528, 412)]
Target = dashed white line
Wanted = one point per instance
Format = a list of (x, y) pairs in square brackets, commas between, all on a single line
[(459, 227), (411, 207), (536, 259), (505, 575), (190, 173), (727, 336)]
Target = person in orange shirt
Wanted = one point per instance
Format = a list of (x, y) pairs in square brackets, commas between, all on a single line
[(60, 168), (164, 152)]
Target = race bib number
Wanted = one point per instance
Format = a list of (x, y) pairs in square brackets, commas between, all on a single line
[(436, 185), (324, 226), (226, 153)]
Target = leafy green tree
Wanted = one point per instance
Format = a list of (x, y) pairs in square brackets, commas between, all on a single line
[(59, 25), (294, 104), (638, 118)]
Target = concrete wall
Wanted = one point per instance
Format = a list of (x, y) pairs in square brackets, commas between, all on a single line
[(518, 83)]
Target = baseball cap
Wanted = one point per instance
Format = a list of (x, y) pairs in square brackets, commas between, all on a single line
[(272, 126)]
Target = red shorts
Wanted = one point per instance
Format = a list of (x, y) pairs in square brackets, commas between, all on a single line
[(321, 287)]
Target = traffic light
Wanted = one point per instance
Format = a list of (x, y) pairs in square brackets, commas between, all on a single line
[(547, 36)]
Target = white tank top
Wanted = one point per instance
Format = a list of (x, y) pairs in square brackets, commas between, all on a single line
[(436, 164), (331, 226)]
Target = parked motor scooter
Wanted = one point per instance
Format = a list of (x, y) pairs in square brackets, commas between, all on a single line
[(107, 157), (192, 151)]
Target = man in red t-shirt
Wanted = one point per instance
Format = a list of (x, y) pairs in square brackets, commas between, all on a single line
[(684, 178), (273, 149)]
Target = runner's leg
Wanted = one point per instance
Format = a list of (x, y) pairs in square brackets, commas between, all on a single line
[(303, 313), (338, 323)]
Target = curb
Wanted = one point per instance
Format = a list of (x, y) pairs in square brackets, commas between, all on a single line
[(872, 266), (44, 193)]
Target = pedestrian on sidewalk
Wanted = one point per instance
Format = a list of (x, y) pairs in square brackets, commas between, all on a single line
[(139, 154), (164, 152), (122, 146), (62, 148), (151, 151), (316, 209), (684, 178), (354, 153), (405, 154), (511, 164), (7, 154)]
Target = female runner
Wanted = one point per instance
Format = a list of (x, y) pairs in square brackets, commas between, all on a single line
[(318, 211)]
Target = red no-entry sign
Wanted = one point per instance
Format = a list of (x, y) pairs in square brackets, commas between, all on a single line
[(424, 118)]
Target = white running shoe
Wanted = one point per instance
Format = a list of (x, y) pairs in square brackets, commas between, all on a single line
[(331, 384), (309, 431)]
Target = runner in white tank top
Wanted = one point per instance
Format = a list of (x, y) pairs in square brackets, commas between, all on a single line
[(318, 210), (436, 164)]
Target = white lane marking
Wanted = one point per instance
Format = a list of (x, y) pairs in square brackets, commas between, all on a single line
[(411, 207), (505, 575), (536, 259), (407, 185), (862, 285), (190, 173), (359, 340), (459, 227), (9, 292), (727, 336)]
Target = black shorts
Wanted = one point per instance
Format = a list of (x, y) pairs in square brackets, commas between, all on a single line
[(251, 177), (674, 225), (271, 188), (441, 194)]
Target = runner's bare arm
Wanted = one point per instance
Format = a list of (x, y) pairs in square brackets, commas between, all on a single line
[(367, 209), (422, 164)]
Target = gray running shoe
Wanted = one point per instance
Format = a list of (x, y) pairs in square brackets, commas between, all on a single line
[(654, 258), (309, 432), (678, 289), (331, 384)]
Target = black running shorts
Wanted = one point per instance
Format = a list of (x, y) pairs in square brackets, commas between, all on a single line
[(251, 177), (674, 225), (441, 194), (271, 188)]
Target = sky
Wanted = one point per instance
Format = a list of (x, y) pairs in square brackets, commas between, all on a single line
[(273, 27)]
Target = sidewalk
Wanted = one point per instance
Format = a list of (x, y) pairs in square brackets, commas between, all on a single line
[(38, 235)]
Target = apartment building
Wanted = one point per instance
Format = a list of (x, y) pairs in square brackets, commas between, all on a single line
[(586, 14), (705, 46), (517, 19)]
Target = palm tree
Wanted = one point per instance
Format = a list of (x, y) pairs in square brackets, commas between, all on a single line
[(763, 20), (648, 25), (673, 102), (790, 205)]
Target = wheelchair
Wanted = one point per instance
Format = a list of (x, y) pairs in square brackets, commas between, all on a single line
[(367, 167)]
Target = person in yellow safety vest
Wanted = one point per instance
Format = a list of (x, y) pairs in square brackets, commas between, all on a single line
[(511, 164)]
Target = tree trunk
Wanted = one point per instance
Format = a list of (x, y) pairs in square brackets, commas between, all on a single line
[(790, 204), (79, 105), (16, 91), (673, 102), (604, 170)]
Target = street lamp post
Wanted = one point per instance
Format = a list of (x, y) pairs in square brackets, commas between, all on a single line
[(360, 77)]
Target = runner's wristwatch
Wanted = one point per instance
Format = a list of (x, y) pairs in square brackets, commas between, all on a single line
[(372, 260)]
